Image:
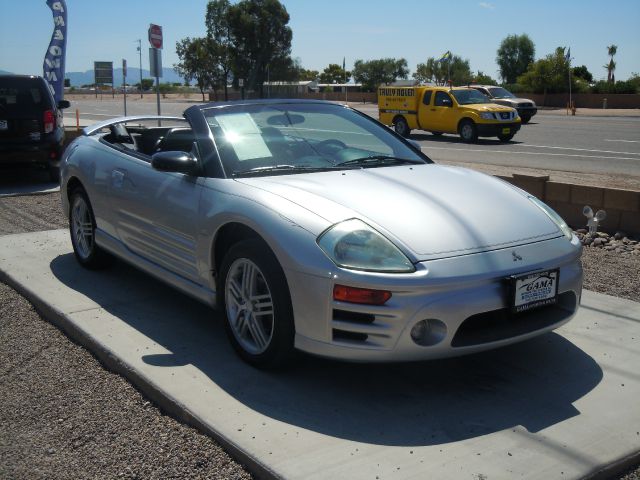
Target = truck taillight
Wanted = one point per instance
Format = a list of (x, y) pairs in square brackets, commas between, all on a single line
[(49, 121)]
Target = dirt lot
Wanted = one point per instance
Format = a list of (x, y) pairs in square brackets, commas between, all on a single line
[(63, 415)]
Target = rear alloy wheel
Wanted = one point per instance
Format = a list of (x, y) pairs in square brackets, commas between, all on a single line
[(468, 131), (82, 226), (402, 127), (259, 317), (505, 138)]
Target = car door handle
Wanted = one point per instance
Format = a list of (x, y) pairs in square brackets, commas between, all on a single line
[(433, 109)]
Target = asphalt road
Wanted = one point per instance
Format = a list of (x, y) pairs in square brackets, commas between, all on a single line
[(550, 142)]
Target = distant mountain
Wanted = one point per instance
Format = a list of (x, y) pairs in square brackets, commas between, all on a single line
[(133, 76)]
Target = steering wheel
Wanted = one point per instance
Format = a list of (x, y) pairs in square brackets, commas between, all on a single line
[(330, 146)]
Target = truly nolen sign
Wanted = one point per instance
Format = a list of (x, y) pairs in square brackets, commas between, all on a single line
[(155, 36)]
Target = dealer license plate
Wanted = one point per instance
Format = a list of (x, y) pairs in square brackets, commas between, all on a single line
[(4, 125), (534, 290), (506, 130)]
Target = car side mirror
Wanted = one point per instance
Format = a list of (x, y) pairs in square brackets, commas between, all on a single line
[(175, 161), (62, 104)]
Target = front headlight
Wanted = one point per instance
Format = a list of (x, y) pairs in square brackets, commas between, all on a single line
[(355, 245), (487, 115), (557, 219)]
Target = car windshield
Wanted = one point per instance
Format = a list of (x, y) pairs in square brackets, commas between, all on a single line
[(470, 96), (286, 138), (499, 92)]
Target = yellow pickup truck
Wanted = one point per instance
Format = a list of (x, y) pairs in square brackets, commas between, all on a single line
[(439, 110)]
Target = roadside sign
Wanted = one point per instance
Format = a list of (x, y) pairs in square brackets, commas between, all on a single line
[(155, 62), (241, 82), (103, 72), (155, 36), (124, 67)]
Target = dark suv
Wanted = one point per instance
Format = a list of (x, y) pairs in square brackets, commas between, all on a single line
[(31, 127)]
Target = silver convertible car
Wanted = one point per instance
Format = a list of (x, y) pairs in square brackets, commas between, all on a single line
[(314, 227)]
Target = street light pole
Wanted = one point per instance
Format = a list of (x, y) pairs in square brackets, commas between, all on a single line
[(140, 52)]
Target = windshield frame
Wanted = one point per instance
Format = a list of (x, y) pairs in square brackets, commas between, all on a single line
[(382, 134)]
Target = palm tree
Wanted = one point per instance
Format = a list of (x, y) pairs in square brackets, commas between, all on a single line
[(611, 66)]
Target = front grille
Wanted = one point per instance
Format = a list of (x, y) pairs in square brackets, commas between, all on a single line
[(501, 324), (528, 105)]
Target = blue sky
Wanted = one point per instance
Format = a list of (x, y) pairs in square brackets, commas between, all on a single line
[(324, 32)]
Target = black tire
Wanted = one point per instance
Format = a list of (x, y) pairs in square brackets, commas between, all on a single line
[(468, 131), (401, 127), (525, 118), (54, 173), (88, 254), (265, 340), (505, 138)]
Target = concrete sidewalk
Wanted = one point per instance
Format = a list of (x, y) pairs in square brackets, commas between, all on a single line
[(564, 405)]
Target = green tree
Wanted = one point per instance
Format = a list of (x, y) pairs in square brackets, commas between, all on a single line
[(515, 54), (548, 75), (308, 75), (611, 66), (483, 79), (435, 71), (198, 60), (147, 83), (334, 73), (219, 34), (583, 73), (373, 73), (260, 37)]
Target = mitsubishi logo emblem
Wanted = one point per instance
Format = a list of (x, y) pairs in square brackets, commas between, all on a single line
[(515, 256)]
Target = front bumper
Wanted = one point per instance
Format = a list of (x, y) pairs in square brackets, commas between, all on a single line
[(495, 129), (527, 112), (466, 298)]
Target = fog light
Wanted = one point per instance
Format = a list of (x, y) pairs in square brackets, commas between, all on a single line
[(428, 332)]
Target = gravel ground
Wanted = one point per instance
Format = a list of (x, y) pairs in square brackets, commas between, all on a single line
[(62, 415), (93, 423)]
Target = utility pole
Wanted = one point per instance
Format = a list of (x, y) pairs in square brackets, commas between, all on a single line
[(140, 52)]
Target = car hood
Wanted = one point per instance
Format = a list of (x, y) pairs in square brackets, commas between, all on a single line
[(430, 211), (515, 101), (488, 107)]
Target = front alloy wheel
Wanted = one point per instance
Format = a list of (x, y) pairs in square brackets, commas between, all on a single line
[(255, 297), (468, 131), (249, 306)]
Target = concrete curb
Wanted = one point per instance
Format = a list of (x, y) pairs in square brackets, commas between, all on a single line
[(152, 391)]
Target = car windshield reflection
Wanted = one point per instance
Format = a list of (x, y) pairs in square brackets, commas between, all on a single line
[(281, 139)]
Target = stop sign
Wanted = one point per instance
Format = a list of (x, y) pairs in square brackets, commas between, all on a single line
[(155, 36)]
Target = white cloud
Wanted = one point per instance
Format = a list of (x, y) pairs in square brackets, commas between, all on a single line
[(488, 6)]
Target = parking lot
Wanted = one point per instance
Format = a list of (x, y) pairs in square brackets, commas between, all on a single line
[(514, 412)]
